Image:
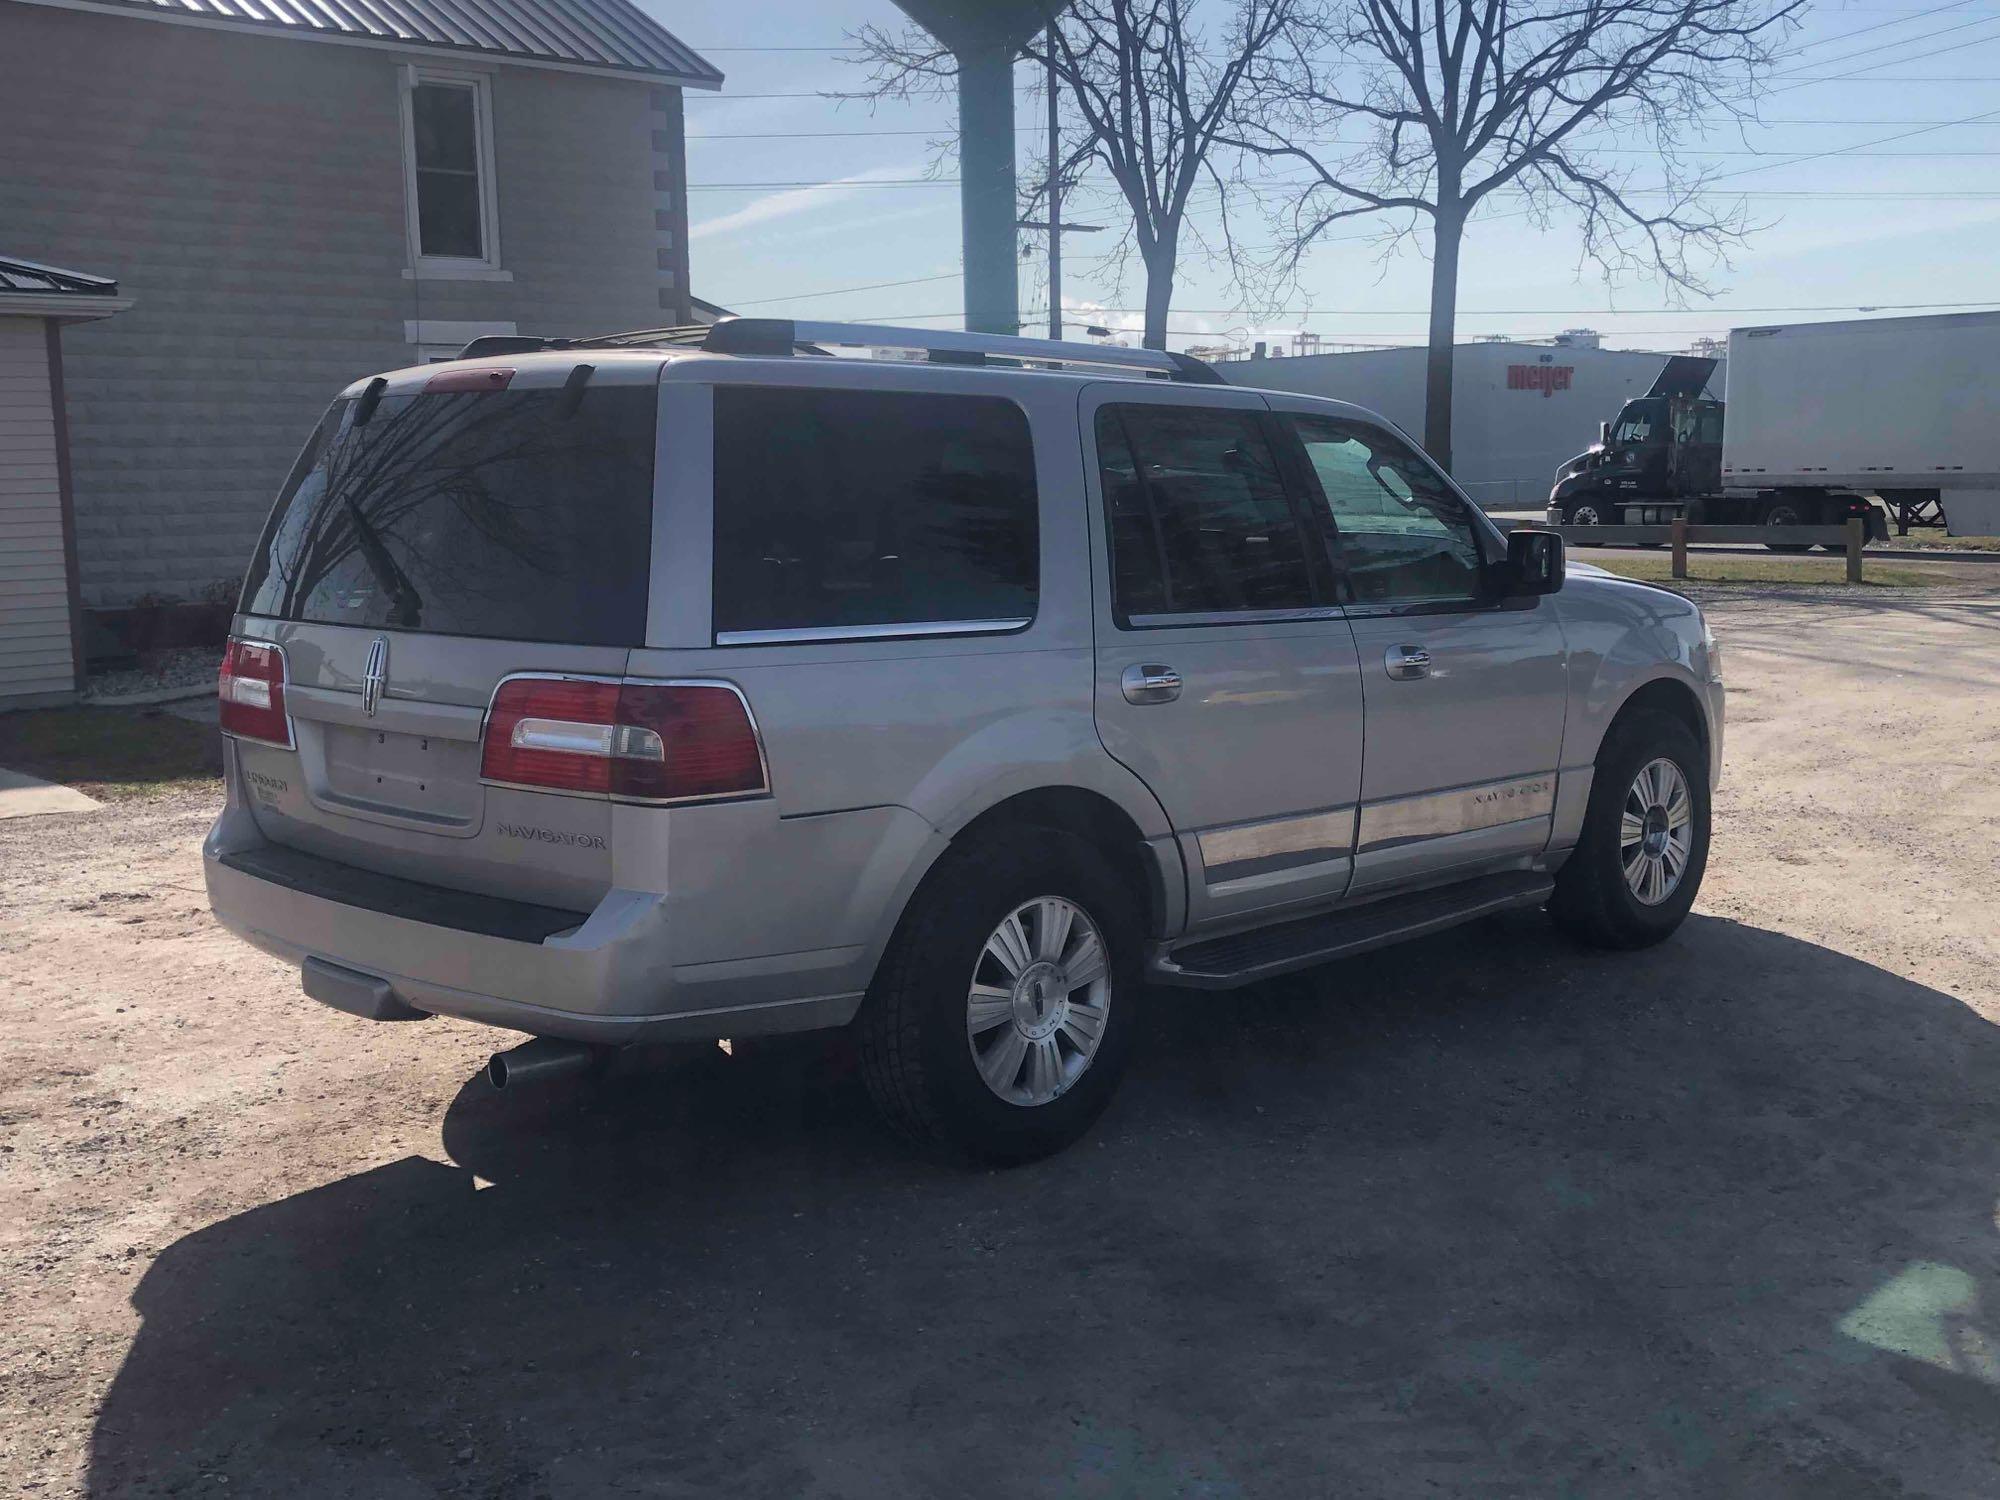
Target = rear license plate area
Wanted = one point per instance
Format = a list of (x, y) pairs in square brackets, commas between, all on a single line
[(421, 775)]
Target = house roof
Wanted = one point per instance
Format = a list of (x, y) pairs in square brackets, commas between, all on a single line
[(29, 288), (593, 36), (33, 277)]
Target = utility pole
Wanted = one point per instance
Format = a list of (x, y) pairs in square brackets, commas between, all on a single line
[(1054, 224), (1055, 206)]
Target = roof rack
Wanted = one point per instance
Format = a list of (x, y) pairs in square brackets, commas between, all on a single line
[(786, 336)]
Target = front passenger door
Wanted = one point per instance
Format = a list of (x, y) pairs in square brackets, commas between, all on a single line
[(1464, 693)]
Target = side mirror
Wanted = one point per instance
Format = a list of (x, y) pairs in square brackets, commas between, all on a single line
[(1604, 434), (1534, 563)]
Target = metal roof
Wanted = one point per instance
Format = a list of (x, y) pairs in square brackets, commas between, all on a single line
[(51, 281), (597, 36)]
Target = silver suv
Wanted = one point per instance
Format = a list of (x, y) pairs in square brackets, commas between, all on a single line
[(708, 683)]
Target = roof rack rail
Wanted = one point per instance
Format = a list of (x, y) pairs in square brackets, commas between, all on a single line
[(786, 335), (490, 345)]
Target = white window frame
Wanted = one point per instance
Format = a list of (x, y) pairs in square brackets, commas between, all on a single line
[(447, 266)]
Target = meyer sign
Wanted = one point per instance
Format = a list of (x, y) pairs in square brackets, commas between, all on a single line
[(1548, 379)]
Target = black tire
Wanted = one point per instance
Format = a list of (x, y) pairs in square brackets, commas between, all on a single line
[(1592, 900), (1786, 513), (915, 1056), (1594, 508)]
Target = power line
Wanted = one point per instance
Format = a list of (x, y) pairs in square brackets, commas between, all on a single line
[(1387, 312), (1904, 17), (1893, 62), (840, 291), (1366, 336), (1859, 148), (1564, 312), (794, 184), (1905, 20), (695, 97), (836, 135), (1907, 41)]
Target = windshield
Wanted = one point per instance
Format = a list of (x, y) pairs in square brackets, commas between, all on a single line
[(518, 514), (1640, 422)]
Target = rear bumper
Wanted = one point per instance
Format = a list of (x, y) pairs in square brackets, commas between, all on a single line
[(608, 980)]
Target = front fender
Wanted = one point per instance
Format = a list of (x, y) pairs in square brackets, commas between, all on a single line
[(1624, 636)]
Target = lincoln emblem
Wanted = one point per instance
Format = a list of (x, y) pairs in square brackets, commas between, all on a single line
[(375, 676)]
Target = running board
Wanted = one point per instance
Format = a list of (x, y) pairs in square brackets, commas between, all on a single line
[(1245, 957)]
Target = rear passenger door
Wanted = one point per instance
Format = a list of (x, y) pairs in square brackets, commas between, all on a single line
[(1226, 676), (1465, 691)]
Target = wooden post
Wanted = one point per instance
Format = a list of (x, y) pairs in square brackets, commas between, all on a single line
[(1857, 533), (1680, 547)]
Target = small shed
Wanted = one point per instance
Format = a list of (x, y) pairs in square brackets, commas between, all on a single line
[(41, 656)]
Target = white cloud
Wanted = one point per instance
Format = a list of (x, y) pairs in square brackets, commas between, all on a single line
[(792, 201)]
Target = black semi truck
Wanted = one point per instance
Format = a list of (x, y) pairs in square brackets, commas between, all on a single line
[(1661, 458)]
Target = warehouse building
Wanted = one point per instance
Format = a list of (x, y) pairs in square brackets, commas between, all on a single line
[(1518, 409)]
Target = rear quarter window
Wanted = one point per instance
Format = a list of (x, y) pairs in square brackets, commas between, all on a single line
[(840, 510), (521, 515)]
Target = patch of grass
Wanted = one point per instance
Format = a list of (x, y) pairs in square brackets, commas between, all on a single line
[(1937, 541), (1707, 568), (113, 754)]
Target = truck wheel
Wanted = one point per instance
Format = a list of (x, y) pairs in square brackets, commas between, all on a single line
[(1002, 1015), (1636, 868), (1784, 513), (1589, 511)]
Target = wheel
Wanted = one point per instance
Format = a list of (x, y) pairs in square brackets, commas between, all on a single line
[(1636, 868), (1784, 513), (1588, 511), (1002, 1015)]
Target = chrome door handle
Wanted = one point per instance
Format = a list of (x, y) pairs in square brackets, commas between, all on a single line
[(1407, 663), (1150, 684)]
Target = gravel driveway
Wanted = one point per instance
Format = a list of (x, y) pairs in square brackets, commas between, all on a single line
[(1487, 1215)]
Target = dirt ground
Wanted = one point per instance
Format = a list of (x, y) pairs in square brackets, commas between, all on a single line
[(1485, 1215)]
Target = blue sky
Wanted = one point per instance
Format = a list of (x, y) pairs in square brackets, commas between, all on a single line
[(1924, 229)]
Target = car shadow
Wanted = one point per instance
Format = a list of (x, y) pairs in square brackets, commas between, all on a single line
[(1482, 1214)]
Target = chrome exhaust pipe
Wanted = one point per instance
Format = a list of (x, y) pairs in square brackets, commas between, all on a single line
[(539, 1059)]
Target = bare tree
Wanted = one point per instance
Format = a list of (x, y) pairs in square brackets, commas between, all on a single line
[(1151, 92), (1463, 100)]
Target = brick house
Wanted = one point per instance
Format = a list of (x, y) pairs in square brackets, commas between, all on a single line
[(292, 195)]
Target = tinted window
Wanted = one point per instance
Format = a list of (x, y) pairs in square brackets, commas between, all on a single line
[(499, 513), (1402, 533), (1198, 515), (1138, 557), (856, 509)]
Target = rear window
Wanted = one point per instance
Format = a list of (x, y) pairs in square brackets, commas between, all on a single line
[(525, 515), (865, 511)]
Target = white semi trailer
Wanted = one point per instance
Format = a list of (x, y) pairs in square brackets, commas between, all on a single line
[(1885, 418)]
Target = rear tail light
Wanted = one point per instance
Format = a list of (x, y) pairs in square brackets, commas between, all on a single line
[(252, 693), (648, 741)]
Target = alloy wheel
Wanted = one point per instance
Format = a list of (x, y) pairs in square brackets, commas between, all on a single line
[(1656, 831), (1040, 995)]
